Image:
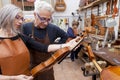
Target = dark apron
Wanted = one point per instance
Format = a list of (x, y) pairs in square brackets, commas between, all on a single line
[(38, 57)]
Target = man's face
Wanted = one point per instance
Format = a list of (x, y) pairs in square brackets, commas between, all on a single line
[(42, 18)]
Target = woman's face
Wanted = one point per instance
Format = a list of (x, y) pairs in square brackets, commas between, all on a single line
[(18, 20), (75, 26)]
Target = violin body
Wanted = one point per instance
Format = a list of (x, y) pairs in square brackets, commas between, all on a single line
[(108, 8), (115, 9), (110, 73), (51, 61)]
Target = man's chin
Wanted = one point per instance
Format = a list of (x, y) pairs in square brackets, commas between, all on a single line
[(42, 27)]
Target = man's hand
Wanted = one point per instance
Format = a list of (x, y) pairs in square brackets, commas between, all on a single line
[(21, 77)]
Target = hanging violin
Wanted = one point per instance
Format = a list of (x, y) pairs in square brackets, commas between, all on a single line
[(108, 8), (115, 9)]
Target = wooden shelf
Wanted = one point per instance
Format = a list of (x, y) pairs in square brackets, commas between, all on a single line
[(97, 2)]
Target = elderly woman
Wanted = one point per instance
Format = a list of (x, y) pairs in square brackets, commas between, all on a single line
[(14, 54)]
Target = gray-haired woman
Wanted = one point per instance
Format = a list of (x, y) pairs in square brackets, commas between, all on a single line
[(14, 55)]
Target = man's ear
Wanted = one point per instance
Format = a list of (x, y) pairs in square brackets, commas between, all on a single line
[(35, 15)]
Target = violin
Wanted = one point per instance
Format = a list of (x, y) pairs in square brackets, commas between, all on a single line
[(60, 5), (54, 58), (109, 73), (115, 9), (108, 8), (93, 22)]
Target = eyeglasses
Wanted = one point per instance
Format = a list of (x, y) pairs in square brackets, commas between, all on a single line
[(19, 17), (42, 19)]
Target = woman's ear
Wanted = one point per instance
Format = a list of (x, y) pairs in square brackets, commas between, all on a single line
[(35, 15)]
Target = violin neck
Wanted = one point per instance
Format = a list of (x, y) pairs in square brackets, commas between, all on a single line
[(78, 42), (96, 65)]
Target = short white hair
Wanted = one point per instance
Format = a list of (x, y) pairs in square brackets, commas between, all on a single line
[(38, 5)]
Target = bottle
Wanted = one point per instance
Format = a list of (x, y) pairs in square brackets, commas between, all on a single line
[(97, 46), (109, 44)]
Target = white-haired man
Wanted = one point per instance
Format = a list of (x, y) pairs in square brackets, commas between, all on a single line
[(43, 31)]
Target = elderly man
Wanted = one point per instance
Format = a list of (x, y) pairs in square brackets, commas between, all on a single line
[(43, 31)]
